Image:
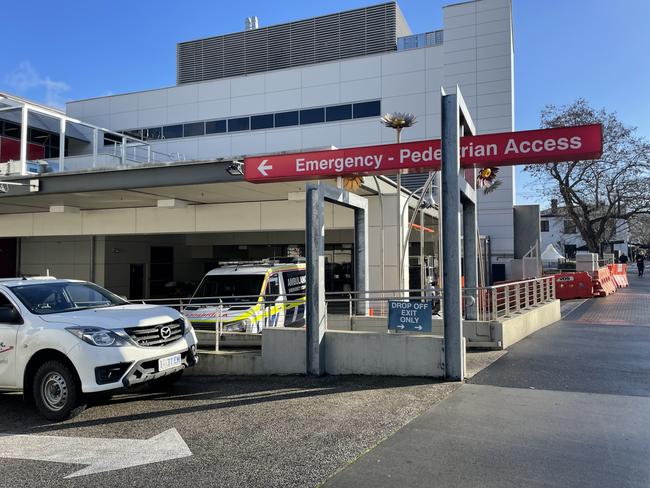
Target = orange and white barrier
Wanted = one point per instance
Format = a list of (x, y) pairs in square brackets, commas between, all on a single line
[(619, 275), (603, 282)]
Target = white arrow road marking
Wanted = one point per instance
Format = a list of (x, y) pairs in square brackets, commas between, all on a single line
[(99, 454), (263, 167)]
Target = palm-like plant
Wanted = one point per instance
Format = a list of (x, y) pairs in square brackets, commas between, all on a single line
[(398, 121)]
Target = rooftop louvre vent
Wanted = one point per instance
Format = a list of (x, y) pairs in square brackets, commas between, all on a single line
[(358, 32)]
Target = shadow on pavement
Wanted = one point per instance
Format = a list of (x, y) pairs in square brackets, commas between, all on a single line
[(224, 392)]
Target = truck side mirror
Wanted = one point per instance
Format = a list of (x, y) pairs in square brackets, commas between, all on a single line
[(9, 315)]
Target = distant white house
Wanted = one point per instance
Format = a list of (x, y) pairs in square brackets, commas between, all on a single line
[(559, 230)]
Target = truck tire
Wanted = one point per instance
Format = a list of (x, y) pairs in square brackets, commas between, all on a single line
[(56, 391)]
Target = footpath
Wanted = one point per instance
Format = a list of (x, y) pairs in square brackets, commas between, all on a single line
[(568, 406)]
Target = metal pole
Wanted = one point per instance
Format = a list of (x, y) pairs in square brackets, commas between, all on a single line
[(95, 148), (61, 144), (315, 306), (422, 270), (123, 156), (24, 120), (398, 207), (452, 318)]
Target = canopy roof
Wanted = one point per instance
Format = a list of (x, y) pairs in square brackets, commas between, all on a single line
[(551, 254)]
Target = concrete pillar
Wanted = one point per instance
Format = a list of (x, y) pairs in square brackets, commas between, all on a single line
[(361, 258)]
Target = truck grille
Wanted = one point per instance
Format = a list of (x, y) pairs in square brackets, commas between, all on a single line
[(155, 335)]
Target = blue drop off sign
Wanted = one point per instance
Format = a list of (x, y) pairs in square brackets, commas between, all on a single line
[(406, 316)]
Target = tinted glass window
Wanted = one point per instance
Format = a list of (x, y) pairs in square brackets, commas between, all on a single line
[(245, 287), (194, 129), (339, 112), (242, 123), (262, 121), (64, 297), (215, 126), (544, 225), (295, 282), (312, 116), (285, 119), (152, 133), (11, 130), (367, 109), (173, 131)]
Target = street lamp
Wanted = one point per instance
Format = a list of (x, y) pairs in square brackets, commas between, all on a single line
[(398, 121)]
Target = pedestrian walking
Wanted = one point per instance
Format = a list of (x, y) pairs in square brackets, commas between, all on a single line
[(640, 263)]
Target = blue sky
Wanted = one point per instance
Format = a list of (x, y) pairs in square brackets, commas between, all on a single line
[(564, 49)]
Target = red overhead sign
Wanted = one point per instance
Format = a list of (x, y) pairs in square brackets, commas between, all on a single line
[(503, 149)]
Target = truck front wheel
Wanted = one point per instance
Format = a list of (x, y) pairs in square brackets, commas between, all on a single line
[(56, 391)]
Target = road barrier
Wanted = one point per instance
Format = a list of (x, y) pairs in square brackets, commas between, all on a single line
[(569, 286), (603, 283), (619, 275)]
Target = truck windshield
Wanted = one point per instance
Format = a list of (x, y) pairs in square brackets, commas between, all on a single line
[(231, 288), (47, 298)]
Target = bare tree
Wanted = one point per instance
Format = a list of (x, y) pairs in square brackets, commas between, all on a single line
[(597, 194)]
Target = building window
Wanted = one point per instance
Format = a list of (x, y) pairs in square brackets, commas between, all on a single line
[(286, 119), (173, 131), (289, 118), (544, 225), (338, 112), (152, 133), (366, 109), (194, 129), (241, 123), (262, 121), (312, 116), (570, 227), (215, 127), (570, 251)]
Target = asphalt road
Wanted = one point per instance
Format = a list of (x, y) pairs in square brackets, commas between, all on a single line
[(265, 431), (569, 406)]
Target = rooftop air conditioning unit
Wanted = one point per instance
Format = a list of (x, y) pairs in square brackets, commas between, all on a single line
[(251, 23)]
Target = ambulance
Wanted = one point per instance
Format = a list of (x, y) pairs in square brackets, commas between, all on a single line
[(246, 297)]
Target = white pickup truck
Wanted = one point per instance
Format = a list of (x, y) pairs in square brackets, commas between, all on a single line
[(63, 339)]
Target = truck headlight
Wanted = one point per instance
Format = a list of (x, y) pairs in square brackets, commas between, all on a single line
[(239, 326), (96, 336)]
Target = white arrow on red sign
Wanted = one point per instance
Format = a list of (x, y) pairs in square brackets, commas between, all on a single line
[(263, 167), (503, 149)]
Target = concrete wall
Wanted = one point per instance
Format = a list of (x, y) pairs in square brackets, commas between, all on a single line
[(517, 327), (527, 229), (284, 352), (65, 257), (382, 354), (479, 57), (263, 216)]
